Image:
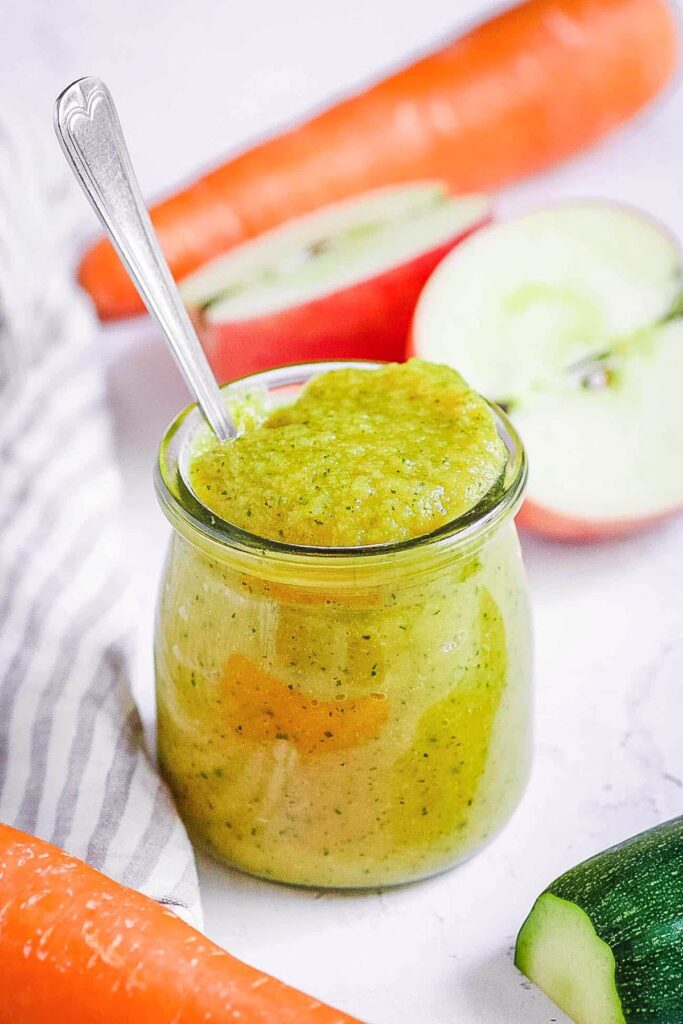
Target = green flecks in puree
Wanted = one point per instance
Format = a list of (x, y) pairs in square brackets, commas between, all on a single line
[(261, 708), (360, 735), (436, 781), (362, 457)]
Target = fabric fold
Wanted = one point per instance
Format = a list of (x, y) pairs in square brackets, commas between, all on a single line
[(73, 767)]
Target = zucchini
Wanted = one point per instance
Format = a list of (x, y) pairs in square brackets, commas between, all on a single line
[(605, 940)]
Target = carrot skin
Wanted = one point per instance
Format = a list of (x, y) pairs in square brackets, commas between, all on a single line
[(76, 946), (520, 92)]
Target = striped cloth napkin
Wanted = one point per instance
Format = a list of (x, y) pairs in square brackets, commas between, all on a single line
[(73, 769)]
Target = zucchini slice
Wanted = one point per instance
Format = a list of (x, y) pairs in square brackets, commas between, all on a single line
[(605, 940)]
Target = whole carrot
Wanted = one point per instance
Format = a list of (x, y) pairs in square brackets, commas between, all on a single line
[(516, 94), (78, 948)]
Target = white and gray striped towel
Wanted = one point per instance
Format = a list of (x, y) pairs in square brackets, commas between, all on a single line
[(73, 769)]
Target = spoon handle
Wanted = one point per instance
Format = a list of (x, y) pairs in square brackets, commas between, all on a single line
[(90, 134)]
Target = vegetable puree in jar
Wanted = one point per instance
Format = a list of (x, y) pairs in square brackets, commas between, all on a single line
[(358, 458), (348, 725)]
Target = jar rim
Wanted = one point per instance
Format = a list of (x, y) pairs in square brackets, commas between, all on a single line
[(194, 520)]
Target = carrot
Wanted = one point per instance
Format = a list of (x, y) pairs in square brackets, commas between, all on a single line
[(78, 948), (511, 97)]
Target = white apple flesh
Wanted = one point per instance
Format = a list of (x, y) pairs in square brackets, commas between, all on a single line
[(568, 317), (340, 282)]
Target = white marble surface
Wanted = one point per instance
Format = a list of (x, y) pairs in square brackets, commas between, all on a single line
[(193, 81)]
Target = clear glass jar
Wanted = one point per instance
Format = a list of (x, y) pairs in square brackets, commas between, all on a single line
[(341, 717)]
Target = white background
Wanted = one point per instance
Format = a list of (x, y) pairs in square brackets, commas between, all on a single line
[(193, 81)]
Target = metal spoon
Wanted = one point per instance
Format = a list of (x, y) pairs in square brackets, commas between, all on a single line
[(89, 131)]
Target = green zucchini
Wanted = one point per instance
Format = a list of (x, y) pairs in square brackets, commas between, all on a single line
[(605, 940)]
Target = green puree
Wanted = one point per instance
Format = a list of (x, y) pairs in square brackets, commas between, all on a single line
[(362, 457), (359, 731)]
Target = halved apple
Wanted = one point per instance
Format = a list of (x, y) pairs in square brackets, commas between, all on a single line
[(570, 318), (340, 282)]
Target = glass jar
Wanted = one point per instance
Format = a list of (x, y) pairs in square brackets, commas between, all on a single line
[(341, 717)]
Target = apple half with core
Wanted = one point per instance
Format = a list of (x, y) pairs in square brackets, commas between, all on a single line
[(570, 318), (340, 282)]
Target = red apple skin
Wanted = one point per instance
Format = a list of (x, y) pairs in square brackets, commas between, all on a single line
[(546, 523), (367, 320)]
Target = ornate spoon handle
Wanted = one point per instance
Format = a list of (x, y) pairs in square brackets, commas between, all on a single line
[(89, 131)]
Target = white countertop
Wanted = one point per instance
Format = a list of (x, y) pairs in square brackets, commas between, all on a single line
[(608, 618)]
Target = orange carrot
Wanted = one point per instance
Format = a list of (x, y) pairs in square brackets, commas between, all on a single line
[(78, 948), (516, 94)]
